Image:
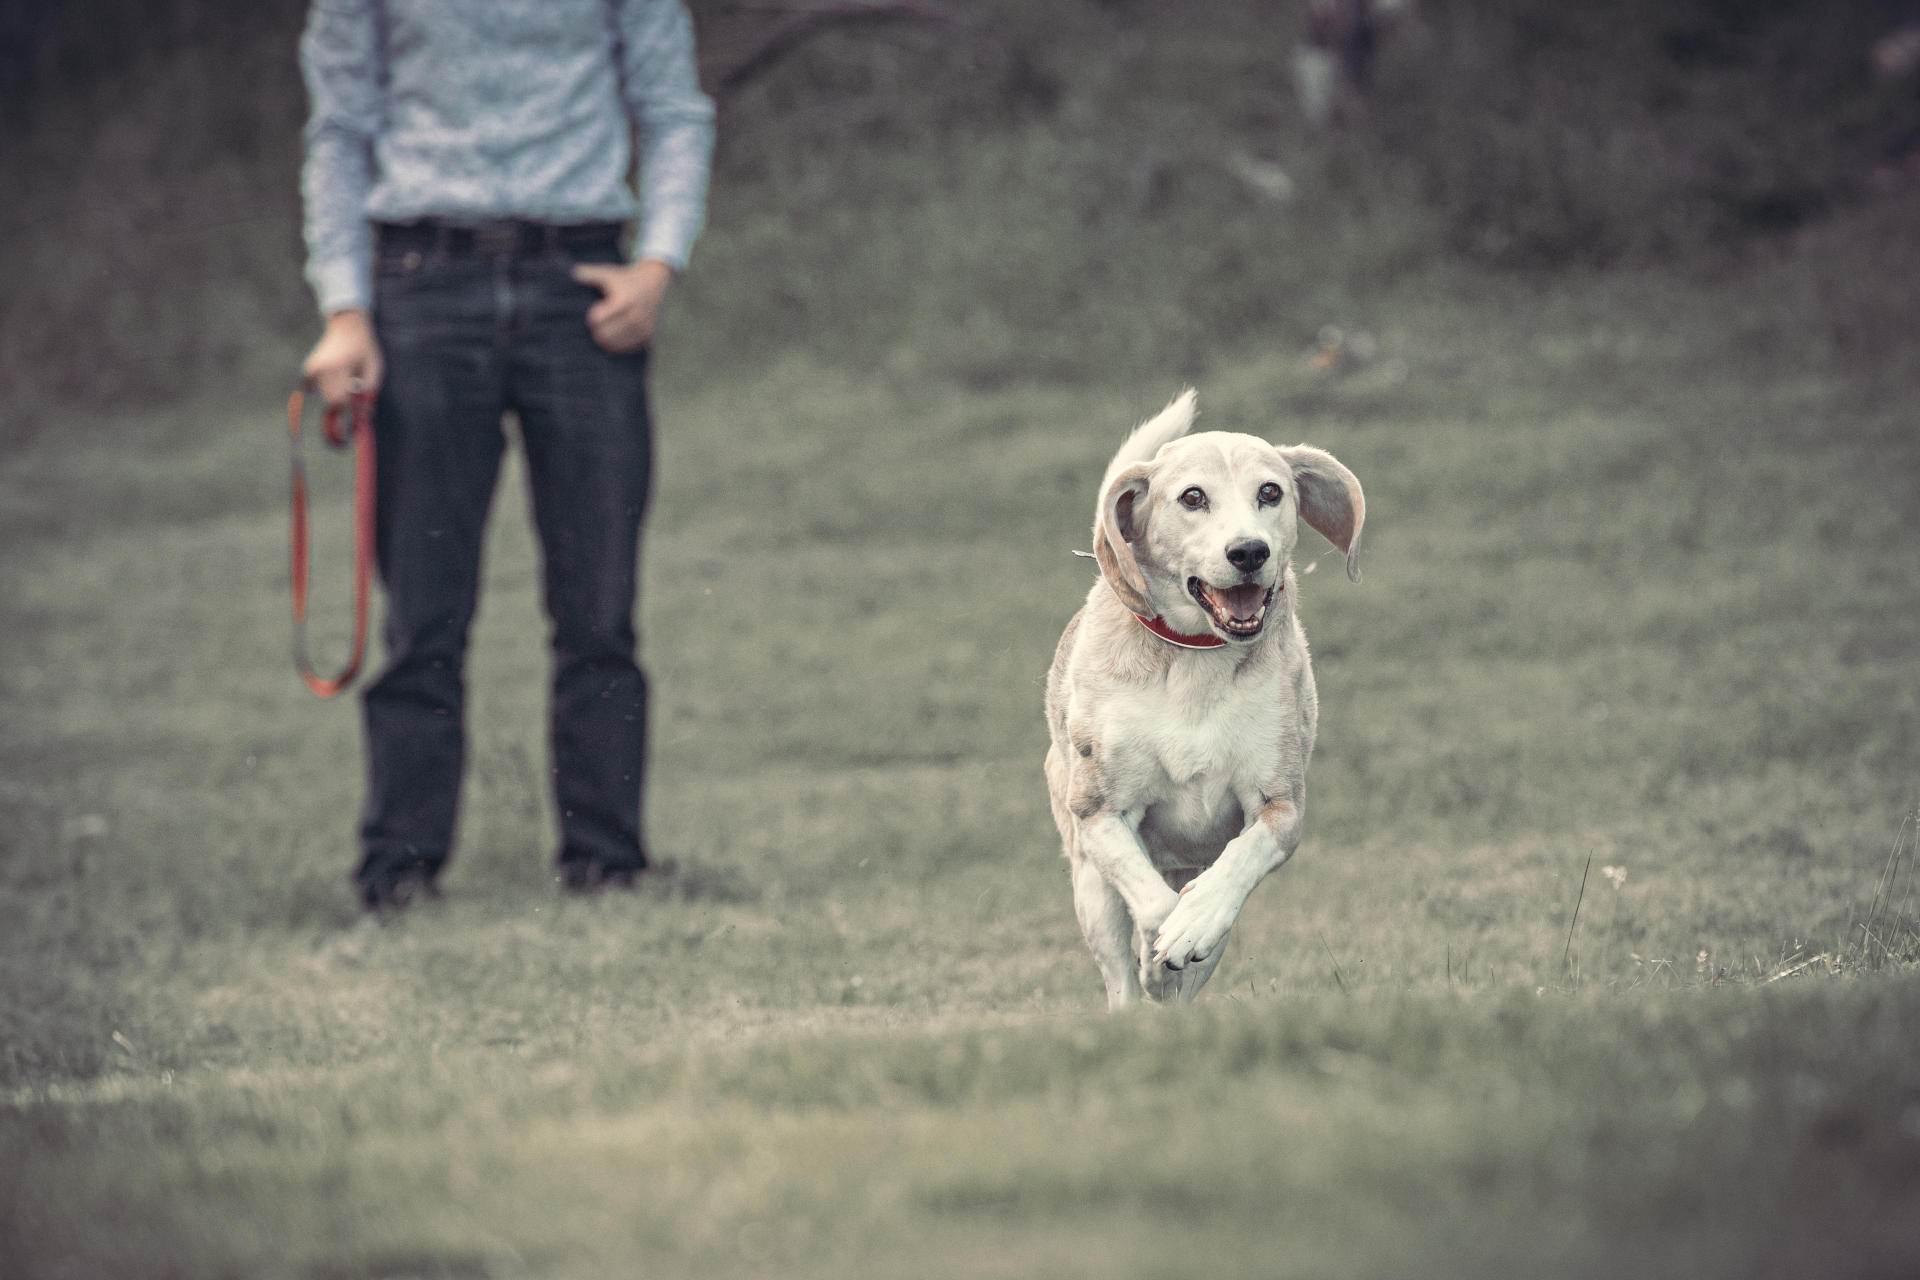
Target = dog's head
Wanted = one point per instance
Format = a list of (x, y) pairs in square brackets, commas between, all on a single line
[(1201, 532)]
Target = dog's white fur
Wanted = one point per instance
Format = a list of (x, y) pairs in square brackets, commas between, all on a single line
[(1178, 775)]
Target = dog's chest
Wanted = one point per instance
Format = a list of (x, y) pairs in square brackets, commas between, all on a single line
[(1192, 749)]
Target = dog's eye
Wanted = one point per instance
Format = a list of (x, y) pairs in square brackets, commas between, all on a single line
[(1193, 499), (1269, 493)]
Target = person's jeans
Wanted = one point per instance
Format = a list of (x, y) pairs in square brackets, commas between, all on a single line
[(468, 335)]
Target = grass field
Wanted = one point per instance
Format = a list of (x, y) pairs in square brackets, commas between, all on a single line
[(1599, 955), (1639, 596)]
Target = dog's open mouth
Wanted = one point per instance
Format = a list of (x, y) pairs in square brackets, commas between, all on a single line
[(1238, 611)]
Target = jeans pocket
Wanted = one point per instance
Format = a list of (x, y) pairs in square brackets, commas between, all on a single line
[(556, 286)]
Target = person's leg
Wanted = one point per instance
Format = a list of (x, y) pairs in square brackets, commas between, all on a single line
[(584, 418), (437, 431)]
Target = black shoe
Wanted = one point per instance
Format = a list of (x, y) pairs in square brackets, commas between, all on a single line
[(387, 893), (588, 876)]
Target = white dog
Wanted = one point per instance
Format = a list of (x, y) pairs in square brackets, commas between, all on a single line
[(1181, 703)]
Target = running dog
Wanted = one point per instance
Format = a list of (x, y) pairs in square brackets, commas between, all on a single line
[(1181, 703)]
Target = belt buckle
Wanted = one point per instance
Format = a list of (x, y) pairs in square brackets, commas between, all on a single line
[(496, 239)]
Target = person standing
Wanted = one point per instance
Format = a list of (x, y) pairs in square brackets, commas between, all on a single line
[(466, 189)]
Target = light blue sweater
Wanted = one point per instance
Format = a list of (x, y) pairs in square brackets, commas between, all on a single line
[(478, 109)]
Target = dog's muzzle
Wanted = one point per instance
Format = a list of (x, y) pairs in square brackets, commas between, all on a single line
[(1238, 611)]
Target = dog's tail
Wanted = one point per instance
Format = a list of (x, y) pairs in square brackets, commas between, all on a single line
[(1170, 423)]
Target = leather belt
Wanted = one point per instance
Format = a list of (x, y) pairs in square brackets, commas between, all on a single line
[(497, 238)]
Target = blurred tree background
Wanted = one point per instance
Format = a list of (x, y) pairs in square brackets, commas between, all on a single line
[(993, 192)]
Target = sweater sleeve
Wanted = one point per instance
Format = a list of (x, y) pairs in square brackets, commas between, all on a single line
[(661, 83), (340, 55)]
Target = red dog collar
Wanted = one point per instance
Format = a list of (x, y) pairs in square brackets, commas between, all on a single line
[(1160, 628)]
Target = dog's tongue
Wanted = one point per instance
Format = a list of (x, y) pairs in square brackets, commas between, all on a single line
[(1240, 602)]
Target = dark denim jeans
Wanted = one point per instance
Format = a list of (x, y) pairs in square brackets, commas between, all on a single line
[(468, 337)]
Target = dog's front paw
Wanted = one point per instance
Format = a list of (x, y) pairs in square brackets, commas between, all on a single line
[(1196, 926)]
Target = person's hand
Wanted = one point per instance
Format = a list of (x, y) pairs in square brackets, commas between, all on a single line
[(630, 300), (347, 357)]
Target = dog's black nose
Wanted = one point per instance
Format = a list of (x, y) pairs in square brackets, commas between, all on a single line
[(1248, 555)]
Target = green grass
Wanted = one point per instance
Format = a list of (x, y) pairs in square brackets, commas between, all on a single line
[(1639, 598), (1635, 597), (1743, 1133)]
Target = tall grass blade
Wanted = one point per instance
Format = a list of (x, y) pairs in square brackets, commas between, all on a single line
[(1566, 954), (1338, 980)]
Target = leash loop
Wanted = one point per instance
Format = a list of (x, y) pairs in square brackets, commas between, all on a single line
[(357, 434)]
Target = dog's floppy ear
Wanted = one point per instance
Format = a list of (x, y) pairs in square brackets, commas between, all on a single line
[(1116, 535), (1330, 500)]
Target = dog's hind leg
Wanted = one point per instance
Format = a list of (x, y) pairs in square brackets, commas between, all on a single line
[(1109, 933), (1185, 984), (1161, 982)]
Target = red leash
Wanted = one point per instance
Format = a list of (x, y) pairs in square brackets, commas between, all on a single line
[(361, 439)]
